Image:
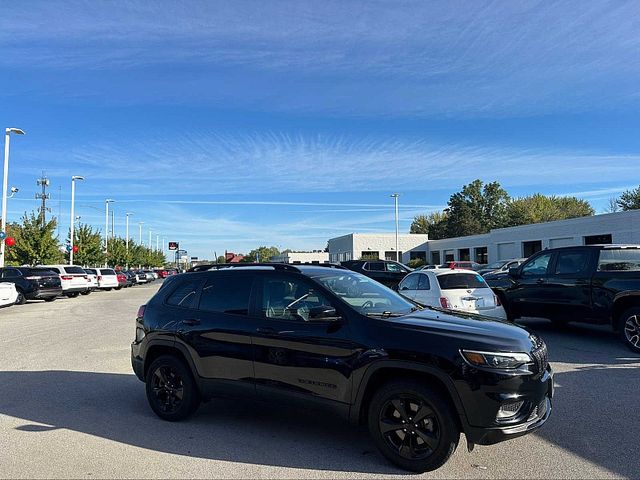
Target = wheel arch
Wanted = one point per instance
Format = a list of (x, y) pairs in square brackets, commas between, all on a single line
[(621, 304), (386, 371)]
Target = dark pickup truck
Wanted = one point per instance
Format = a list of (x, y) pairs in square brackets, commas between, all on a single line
[(597, 284)]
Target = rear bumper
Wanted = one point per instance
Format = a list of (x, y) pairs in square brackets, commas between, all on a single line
[(74, 290), (44, 293)]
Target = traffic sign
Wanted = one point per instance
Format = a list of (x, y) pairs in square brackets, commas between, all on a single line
[(173, 245)]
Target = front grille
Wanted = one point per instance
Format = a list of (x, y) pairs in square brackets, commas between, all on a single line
[(540, 356)]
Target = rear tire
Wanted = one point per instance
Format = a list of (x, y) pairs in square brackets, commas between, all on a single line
[(50, 299), (108, 289), (118, 288), (413, 426), (73, 295), (629, 328), (21, 300), (172, 392)]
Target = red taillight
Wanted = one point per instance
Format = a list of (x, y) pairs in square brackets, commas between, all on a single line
[(498, 302), (121, 277), (66, 277), (141, 311), (444, 302)]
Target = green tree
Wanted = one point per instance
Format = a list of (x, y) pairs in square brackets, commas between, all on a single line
[(262, 254), (117, 253), (90, 246), (630, 200), (477, 208), (35, 243), (221, 259), (434, 224), (540, 208)]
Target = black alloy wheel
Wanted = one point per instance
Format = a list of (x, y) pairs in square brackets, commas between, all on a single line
[(413, 425), (171, 390), (409, 426), (21, 300), (630, 328)]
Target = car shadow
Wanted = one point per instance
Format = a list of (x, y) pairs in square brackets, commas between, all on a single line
[(113, 406)]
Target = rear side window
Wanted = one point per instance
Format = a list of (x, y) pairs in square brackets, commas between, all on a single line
[(75, 270), (108, 271), (572, 263), (424, 283), (227, 294), (454, 281), (410, 282), (375, 266), (623, 259), (184, 295)]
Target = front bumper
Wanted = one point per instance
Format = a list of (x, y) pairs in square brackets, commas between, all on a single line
[(537, 395)]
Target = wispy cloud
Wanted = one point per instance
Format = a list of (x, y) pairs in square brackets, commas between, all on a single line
[(417, 58), (204, 163)]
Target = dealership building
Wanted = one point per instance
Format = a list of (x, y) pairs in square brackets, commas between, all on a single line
[(498, 244)]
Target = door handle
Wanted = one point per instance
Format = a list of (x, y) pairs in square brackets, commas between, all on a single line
[(268, 330), (191, 321)]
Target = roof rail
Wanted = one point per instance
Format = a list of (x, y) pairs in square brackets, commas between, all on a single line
[(276, 266)]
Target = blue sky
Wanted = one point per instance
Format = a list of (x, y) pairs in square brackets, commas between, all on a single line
[(229, 125)]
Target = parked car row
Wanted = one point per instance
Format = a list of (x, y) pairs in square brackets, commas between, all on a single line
[(48, 282)]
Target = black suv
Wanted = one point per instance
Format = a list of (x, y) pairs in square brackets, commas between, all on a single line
[(387, 272), (32, 283), (329, 337)]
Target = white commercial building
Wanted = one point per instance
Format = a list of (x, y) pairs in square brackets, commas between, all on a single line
[(498, 244), (377, 246), (301, 257)]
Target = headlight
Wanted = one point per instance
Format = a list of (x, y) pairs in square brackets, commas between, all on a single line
[(501, 361)]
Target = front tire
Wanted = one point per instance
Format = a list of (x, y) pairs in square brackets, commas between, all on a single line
[(73, 295), (629, 327), (171, 390), (413, 426), (50, 299)]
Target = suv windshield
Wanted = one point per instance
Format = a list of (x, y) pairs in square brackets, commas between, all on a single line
[(454, 281), (363, 294)]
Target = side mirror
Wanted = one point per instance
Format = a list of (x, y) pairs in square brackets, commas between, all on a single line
[(513, 272), (323, 312)]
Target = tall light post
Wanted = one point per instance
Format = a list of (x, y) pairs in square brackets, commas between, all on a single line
[(73, 215), (140, 236), (157, 243), (150, 232), (395, 199), (126, 241), (5, 185), (106, 230)]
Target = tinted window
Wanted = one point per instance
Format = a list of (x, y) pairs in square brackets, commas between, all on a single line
[(572, 263), (107, 271), (455, 281), (410, 282), (184, 294), (227, 294), (424, 283), (75, 270), (91, 271), (290, 299), (10, 272), (537, 266), (376, 266), (619, 259)]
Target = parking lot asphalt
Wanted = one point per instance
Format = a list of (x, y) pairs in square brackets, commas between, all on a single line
[(70, 407)]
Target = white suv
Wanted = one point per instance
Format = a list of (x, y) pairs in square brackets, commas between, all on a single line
[(73, 279), (107, 278), (453, 289)]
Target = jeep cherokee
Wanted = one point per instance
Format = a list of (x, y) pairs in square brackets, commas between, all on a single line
[(329, 337)]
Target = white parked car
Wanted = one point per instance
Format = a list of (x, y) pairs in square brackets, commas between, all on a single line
[(92, 280), (107, 278), (454, 289), (73, 279), (8, 294)]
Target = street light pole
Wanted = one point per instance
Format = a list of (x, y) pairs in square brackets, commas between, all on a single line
[(140, 236), (395, 199), (106, 230), (157, 242), (126, 240), (150, 238), (5, 185), (73, 216)]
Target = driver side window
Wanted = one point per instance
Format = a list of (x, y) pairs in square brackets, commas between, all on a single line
[(537, 267), (290, 299)]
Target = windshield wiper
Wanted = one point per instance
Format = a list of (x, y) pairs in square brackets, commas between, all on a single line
[(383, 314)]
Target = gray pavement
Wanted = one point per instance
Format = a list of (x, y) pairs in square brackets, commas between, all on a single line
[(70, 407)]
